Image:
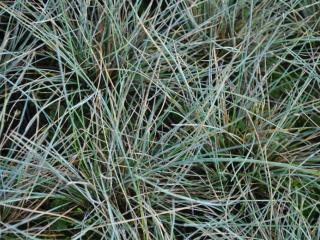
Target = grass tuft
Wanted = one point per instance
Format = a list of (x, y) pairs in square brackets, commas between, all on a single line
[(159, 119)]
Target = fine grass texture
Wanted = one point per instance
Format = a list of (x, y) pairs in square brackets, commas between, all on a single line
[(182, 119)]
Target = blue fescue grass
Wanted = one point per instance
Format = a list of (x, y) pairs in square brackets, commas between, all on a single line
[(159, 119)]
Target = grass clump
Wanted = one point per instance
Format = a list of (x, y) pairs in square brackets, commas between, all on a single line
[(159, 119)]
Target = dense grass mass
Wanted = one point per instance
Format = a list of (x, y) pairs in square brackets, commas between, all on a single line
[(182, 119)]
